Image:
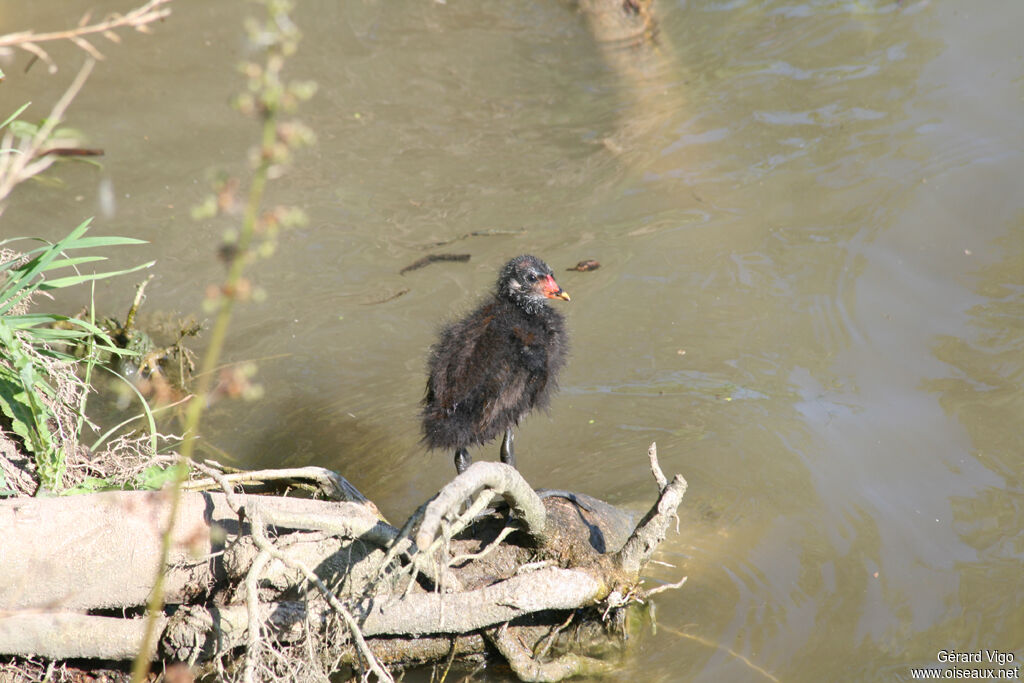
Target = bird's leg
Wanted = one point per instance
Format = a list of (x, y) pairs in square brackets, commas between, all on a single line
[(507, 455), (462, 460)]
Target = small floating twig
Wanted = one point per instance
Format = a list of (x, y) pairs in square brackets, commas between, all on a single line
[(431, 258), (588, 264), (390, 297), (476, 233), (666, 587)]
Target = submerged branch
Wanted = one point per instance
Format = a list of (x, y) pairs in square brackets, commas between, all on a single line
[(528, 668)]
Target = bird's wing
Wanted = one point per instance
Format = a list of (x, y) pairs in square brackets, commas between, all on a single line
[(479, 378)]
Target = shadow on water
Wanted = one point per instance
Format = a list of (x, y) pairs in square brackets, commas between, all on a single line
[(304, 430)]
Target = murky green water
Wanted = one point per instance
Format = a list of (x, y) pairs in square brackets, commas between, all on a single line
[(811, 224)]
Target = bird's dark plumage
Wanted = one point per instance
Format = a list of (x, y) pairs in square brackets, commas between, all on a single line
[(488, 370)]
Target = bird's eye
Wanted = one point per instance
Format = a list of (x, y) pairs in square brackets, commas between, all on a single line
[(531, 277)]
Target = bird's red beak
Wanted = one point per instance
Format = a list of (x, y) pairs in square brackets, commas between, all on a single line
[(553, 291)]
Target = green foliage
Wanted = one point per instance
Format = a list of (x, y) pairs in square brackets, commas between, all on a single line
[(21, 384), (28, 400)]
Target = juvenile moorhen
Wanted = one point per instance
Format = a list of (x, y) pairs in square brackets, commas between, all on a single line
[(488, 370)]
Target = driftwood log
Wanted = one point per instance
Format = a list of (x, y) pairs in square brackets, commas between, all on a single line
[(263, 586)]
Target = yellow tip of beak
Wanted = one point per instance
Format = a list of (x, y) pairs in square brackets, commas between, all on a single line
[(563, 295)]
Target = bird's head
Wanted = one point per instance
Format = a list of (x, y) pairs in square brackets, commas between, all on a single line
[(527, 282)]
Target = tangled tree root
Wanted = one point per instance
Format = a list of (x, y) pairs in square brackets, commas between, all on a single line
[(263, 587)]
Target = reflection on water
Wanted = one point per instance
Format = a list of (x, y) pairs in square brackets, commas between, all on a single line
[(809, 221), (983, 394)]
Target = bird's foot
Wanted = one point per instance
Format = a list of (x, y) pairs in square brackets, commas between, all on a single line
[(508, 456), (462, 460)]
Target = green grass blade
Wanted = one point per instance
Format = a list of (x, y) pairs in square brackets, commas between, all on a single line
[(72, 262), (27, 320), (145, 406), (35, 266), (47, 334), (15, 114), (11, 240), (103, 241), (72, 280), (91, 358), (30, 322)]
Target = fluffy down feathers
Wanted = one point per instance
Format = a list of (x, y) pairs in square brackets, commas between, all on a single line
[(488, 370)]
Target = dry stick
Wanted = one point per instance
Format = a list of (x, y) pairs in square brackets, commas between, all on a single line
[(486, 551), (435, 525), (433, 258), (529, 669), (448, 663), (651, 530), (550, 639), (252, 602), (225, 485), (269, 550), (331, 484), (659, 476), (138, 19), (553, 588), (475, 233), (491, 478), (666, 587), (447, 531), (365, 528), (259, 535), (434, 512), (403, 545)]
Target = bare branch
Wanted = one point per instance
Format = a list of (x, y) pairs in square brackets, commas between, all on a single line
[(87, 47), (137, 19), (254, 512), (331, 484), (652, 528), (497, 479), (546, 589), (259, 535), (486, 551), (252, 602), (666, 587), (64, 635), (41, 54), (527, 668), (659, 476)]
